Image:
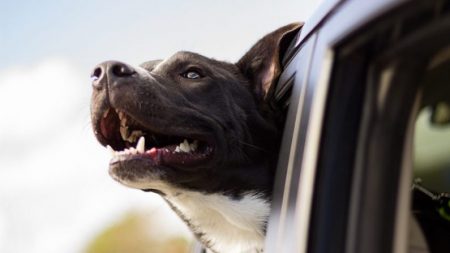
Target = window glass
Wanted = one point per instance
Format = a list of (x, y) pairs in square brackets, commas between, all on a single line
[(432, 130), (431, 198)]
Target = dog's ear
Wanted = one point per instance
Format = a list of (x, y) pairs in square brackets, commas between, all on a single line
[(261, 64)]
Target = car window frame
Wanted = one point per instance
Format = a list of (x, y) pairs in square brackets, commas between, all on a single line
[(328, 38)]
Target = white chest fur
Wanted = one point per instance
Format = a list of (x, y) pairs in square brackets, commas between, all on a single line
[(228, 225), (225, 224)]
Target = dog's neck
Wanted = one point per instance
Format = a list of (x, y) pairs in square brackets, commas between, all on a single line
[(224, 224)]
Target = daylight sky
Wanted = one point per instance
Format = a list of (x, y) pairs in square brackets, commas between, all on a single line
[(55, 192)]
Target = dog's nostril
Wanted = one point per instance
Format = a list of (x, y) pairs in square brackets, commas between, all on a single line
[(96, 77), (96, 74), (122, 70)]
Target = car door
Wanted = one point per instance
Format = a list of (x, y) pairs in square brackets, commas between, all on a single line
[(364, 73)]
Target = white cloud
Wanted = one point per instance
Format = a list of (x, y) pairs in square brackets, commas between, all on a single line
[(33, 99)]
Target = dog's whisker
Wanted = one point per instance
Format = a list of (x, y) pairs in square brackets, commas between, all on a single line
[(251, 145)]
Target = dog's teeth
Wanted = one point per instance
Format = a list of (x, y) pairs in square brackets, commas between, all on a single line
[(124, 132), (105, 113), (131, 138), (140, 146), (123, 118), (184, 146), (133, 151), (134, 136), (111, 150), (194, 145)]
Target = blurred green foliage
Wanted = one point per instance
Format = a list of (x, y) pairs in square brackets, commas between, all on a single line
[(431, 152), (133, 234)]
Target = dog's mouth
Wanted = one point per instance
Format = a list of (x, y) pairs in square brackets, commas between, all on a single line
[(127, 139)]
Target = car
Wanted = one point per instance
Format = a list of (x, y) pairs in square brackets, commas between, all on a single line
[(364, 164)]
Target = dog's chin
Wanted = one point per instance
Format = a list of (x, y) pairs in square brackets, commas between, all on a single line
[(134, 172), (142, 170)]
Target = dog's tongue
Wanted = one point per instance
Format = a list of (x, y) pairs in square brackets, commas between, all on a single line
[(109, 127), (169, 156)]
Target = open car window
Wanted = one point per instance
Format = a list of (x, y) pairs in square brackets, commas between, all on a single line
[(431, 155), (432, 127), (375, 87)]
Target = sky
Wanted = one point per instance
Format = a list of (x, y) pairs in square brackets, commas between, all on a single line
[(55, 192)]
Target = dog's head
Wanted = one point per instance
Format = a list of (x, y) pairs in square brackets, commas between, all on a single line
[(190, 121)]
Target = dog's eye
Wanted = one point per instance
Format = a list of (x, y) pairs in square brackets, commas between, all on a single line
[(191, 74)]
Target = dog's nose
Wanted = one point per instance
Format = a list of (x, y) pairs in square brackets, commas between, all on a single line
[(109, 73)]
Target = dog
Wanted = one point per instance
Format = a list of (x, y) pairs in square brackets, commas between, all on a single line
[(202, 133)]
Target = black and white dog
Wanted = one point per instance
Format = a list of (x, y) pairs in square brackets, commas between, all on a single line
[(202, 133)]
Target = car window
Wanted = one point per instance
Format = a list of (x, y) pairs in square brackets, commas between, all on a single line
[(432, 147), (431, 155), (432, 130), (386, 122), (403, 63)]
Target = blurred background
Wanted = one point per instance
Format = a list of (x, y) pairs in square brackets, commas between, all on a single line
[(55, 192)]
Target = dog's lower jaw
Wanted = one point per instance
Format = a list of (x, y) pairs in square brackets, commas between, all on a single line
[(222, 223)]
